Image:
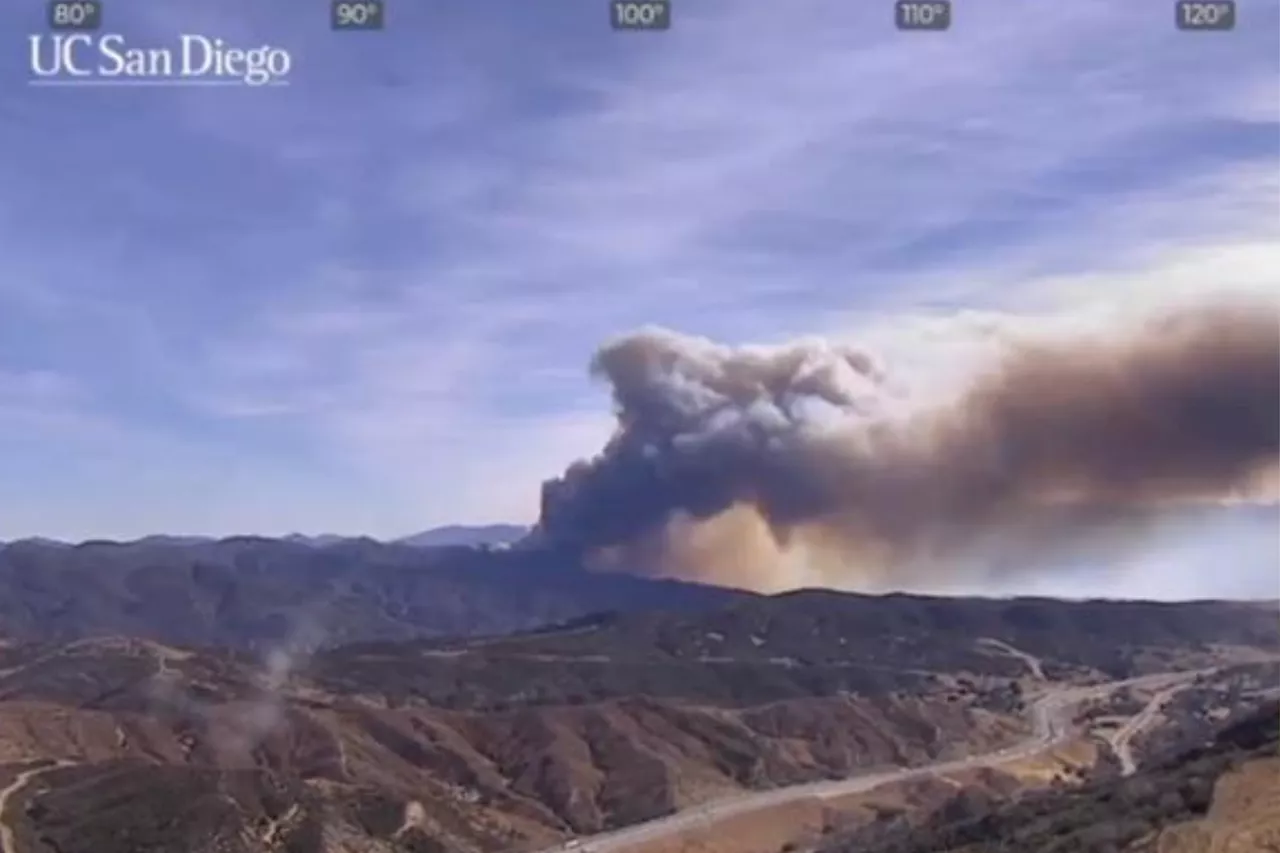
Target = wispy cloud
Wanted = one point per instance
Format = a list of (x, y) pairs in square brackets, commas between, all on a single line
[(394, 271), (39, 401)]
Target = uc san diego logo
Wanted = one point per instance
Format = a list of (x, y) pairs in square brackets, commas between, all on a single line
[(71, 59)]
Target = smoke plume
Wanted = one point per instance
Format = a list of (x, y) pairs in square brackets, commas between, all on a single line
[(737, 465)]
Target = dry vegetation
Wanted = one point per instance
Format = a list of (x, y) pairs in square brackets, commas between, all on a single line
[(514, 742), (1218, 797), (1244, 816), (209, 737)]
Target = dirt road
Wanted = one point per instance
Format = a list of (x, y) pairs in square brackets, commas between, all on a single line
[(1051, 717), (1033, 663), (1122, 740), (7, 843)]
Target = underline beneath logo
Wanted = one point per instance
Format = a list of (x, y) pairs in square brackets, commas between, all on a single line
[(166, 82)]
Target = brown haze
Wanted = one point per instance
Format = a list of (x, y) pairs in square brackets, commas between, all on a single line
[(738, 465)]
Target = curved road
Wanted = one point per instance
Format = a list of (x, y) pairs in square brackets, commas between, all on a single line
[(1051, 718), (7, 841), (1122, 740)]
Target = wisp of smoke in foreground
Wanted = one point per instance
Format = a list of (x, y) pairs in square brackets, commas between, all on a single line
[(729, 463)]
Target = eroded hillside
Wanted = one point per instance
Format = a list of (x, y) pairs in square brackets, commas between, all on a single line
[(511, 743), (1223, 795)]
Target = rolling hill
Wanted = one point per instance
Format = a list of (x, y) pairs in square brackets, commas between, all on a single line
[(512, 742), (247, 592)]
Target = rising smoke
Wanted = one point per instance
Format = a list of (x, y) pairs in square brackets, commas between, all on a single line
[(737, 465)]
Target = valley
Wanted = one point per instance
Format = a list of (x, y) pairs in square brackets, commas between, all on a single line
[(642, 730)]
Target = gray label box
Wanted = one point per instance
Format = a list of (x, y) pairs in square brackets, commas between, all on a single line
[(1207, 15), (928, 15), (357, 15), (640, 14), (80, 15)]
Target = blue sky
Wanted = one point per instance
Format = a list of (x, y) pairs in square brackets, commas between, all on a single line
[(366, 302)]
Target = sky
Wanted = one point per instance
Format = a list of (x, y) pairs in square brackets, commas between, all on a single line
[(365, 302)]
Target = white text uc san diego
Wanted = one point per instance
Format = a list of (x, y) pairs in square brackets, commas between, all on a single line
[(109, 57)]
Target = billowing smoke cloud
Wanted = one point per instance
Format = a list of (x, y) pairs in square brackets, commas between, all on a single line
[(738, 465)]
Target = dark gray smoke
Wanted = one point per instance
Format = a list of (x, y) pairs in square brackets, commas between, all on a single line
[(731, 463)]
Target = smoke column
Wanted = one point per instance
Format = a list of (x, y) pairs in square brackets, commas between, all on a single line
[(736, 464)]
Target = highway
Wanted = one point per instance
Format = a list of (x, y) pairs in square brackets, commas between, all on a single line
[(1052, 723)]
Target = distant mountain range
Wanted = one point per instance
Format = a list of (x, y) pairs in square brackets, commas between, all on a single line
[(451, 535), (455, 535), (246, 591)]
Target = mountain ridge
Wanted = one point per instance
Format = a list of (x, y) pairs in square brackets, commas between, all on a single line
[(249, 591), (443, 536)]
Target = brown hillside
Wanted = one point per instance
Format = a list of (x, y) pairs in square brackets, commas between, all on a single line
[(1215, 798), (508, 743)]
